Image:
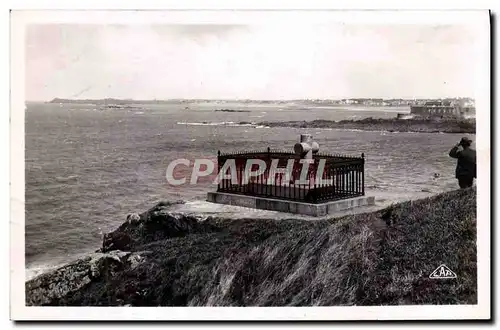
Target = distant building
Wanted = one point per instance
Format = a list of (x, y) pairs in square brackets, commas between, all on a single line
[(442, 109)]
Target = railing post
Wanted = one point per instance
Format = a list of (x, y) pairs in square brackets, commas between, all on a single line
[(267, 173), (363, 173), (351, 180), (218, 169), (314, 194)]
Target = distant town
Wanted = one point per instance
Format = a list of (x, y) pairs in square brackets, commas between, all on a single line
[(394, 102), (462, 101)]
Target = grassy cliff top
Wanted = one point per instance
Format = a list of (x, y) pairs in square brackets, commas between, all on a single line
[(379, 258)]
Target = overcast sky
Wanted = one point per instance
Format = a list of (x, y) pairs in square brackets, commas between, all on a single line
[(249, 62)]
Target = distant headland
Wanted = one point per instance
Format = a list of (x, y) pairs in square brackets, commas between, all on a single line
[(112, 101)]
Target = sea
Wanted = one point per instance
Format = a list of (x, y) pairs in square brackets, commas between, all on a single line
[(87, 168)]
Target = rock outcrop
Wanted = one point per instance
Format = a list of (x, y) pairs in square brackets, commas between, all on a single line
[(115, 255), (153, 225), (76, 275), (421, 125)]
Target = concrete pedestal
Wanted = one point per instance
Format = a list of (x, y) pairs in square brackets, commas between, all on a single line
[(271, 204)]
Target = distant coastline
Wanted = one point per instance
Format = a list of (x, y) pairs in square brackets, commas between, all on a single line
[(367, 102)]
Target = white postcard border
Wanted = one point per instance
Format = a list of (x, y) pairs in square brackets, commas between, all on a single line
[(21, 312)]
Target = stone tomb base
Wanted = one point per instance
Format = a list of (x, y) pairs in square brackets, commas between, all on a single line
[(264, 203)]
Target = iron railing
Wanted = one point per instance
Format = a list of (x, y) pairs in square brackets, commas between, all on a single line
[(328, 177)]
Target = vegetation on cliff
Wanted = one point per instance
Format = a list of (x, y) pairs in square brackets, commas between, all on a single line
[(379, 258), (423, 125)]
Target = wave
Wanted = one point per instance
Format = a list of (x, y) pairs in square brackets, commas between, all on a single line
[(67, 178), (34, 271), (223, 123)]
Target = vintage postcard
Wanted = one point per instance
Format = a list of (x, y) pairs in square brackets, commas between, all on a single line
[(305, 165)]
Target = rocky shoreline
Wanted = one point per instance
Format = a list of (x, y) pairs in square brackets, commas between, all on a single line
[(420, 125), (161, 258)]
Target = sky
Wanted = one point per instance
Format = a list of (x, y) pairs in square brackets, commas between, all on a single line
[(329, 61)]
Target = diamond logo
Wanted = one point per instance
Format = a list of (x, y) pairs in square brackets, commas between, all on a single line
[(442, 272)]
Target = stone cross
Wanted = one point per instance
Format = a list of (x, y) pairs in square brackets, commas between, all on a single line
[(306, 147)]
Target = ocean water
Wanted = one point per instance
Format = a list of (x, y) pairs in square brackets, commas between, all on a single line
[(86, 168)]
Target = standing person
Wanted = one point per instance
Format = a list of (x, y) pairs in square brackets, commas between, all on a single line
[(466, 162)]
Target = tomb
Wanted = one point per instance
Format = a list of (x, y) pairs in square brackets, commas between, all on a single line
[(302, 181)]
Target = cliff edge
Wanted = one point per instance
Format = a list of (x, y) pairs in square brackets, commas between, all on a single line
[(159, 258)]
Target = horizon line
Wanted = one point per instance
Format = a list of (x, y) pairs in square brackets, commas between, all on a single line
[(255, 99)]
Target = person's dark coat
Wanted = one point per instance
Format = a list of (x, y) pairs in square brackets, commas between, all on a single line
[(466, 164)]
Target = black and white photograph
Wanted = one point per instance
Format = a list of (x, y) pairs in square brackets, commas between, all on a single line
[(318, 165)]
